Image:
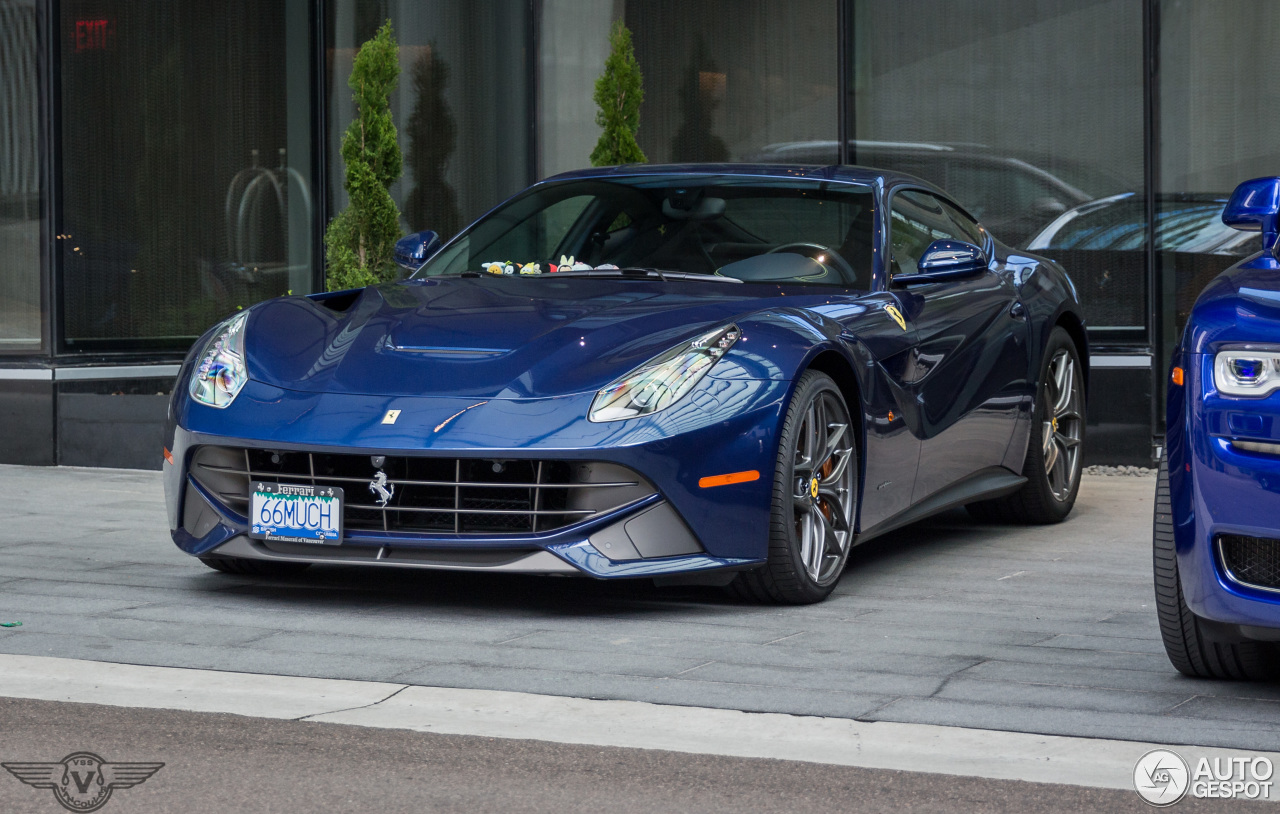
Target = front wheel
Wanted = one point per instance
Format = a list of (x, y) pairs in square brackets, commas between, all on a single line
[(1194, 647), (1054, 460), (815, 487)]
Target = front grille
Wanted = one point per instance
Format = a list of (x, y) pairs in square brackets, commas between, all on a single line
[(431, 494), (1251, 560)]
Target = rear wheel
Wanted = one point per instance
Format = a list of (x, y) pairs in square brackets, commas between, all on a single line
[(1054, 460), (814, 490), (1194, 646), (254, 568)]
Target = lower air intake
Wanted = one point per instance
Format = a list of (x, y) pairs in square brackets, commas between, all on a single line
[(1251, 560)]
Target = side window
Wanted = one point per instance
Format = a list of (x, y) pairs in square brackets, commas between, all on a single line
[(970, 231), (917, 219)]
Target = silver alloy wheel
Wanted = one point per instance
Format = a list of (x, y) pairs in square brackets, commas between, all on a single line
[(1062, 425), (822, 487)]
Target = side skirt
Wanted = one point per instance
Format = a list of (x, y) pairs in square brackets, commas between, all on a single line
[(993, 482)]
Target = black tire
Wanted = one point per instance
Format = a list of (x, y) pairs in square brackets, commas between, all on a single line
[(254, 568), (1196, 647), (1037, 503), (784, 578)]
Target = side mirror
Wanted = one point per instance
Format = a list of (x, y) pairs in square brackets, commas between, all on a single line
[(946, 260), (1253, 208), (413, 250)]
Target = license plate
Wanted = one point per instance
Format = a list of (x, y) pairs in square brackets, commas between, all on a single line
[(294, 513)]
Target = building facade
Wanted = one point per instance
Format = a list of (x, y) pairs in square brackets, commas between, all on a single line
[(163, 164)]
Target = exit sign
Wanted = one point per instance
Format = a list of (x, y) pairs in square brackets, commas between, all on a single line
[(93, 34)]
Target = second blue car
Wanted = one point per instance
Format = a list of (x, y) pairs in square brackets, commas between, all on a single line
[(1217, 515)]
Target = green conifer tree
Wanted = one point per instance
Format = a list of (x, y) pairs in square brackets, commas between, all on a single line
[(360, 240), (619, 91)]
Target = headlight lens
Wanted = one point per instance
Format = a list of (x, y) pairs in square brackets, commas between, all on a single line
[(663, 380), (1248, 373), (222, 373)]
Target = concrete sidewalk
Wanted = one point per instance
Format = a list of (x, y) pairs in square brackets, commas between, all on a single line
[(1046, 630)]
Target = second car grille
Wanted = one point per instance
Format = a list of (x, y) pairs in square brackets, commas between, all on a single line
[(1251, 560), (430, 494)]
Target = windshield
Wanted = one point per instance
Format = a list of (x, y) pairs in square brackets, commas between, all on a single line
[(734, 228)]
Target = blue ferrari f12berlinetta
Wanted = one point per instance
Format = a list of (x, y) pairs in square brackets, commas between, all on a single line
[(716, 374)]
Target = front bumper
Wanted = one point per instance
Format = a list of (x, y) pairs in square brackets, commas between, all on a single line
[(730, 426), (1219, 488)]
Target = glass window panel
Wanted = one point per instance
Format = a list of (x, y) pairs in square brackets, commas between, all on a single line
[(20, 179), (186, 189), (1219, 115), (732, 80), (1022, 112), (461, 106)]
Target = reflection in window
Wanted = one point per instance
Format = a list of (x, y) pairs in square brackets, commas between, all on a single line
[(19, 179), (1001, 103), (725, 78), (1219, 115), (185, 166), (461, 106)]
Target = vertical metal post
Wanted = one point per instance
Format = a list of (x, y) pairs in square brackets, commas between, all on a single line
[(844, 79), (533, 45), (320, 140), (1157, 319)]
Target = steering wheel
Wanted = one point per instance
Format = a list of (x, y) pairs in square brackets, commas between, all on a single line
[(822, 254)]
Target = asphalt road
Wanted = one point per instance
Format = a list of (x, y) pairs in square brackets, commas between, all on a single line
[(221, 763), (1046, 630)]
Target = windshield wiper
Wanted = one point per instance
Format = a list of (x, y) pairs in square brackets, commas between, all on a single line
[(632, 271)]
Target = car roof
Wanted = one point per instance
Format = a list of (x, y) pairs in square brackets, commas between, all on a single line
[(842, 173)]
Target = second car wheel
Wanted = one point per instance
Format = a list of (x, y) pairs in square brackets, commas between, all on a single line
[(1054, 452), (1193, 645), (814, 492)]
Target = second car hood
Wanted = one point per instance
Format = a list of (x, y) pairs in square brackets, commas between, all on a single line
[(486, 337)]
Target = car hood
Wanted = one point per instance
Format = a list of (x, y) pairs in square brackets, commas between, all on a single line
[(499, 337), (1240, 305)]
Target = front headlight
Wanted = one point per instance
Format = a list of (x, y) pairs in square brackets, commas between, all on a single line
[(221, 373), (663, 380), (1248, 373)]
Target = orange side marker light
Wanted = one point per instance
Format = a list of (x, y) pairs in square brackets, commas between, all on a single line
[(168, 456), (732, 477), (1178, 376)]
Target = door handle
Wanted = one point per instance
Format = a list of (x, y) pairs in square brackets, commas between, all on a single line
[(1017, 310)]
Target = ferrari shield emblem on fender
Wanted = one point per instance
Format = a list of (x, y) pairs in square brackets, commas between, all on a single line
[(896, 315), (390, 417)]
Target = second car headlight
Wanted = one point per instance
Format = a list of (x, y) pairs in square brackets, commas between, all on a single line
[(1248, 373), (221, 372), (664, 379)]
